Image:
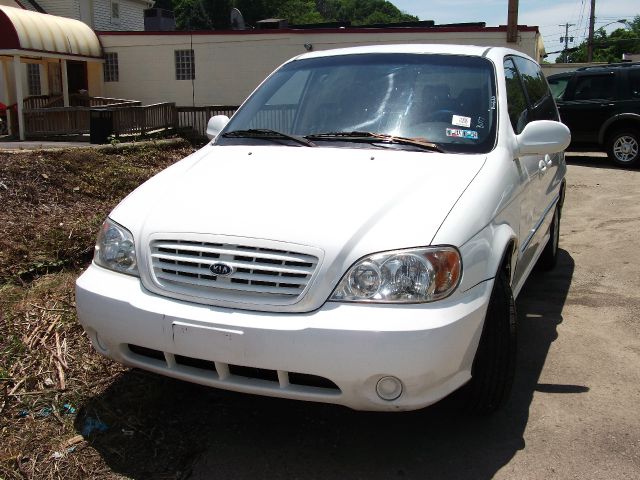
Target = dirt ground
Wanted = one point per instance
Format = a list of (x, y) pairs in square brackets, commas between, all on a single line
[(574, 411)]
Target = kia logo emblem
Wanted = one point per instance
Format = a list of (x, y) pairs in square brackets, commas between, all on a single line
[(221, 269)]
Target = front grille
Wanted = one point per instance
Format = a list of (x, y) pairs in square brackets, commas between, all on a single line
[(259, 274)]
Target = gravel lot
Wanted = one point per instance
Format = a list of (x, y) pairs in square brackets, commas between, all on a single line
[(575, 411)]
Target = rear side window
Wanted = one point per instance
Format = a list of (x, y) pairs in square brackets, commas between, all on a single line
[(516, 100), (595, 87)]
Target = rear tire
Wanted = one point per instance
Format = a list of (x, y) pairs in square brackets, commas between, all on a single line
[(495, 361), (549, 257), (623, 148)]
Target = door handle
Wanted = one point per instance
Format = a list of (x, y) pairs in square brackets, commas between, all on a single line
[(542, 167), (548, 160)]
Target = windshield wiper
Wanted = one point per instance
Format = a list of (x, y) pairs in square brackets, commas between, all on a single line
[(375, 137), (267, 133)]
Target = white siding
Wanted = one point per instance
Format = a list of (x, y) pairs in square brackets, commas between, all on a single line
[(131, 16), (61, 8), (229, 66)]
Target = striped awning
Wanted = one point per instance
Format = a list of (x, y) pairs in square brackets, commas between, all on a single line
[(24, 30)]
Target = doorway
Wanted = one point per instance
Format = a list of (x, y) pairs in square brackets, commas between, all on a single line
[(77, 75)]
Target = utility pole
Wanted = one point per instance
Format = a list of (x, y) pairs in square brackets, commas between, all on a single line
[(566, 39), (592, 21), (512, 22)]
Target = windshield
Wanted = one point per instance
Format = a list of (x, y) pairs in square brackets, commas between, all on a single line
[(448, 100)]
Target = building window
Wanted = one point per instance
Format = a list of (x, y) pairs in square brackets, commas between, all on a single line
[(33, 79), (111, 73), (115, 12), (185, 65)]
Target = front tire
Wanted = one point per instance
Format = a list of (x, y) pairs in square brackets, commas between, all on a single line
[(623, 148), (494, 365)]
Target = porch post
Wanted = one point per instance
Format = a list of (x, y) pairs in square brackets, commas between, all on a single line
[(65, 83), (6, 95), (17, 75)]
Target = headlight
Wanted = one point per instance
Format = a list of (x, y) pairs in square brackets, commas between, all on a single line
[(402, 276), (115, 249)]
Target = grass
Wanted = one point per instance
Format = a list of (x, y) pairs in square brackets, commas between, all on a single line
[(52, 206)]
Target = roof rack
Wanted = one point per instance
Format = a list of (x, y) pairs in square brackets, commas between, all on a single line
[(610, 65)]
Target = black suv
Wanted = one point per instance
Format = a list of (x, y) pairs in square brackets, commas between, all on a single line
[(601, 107)]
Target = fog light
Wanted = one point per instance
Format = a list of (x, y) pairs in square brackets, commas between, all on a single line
[(389, 388)]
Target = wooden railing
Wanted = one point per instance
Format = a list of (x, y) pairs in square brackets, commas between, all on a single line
[(56, 121), (75, 100), (197, 118), (143, 119), (127, 118)]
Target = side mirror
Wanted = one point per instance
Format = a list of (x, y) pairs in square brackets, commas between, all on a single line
[(542, 137), (215, 125)]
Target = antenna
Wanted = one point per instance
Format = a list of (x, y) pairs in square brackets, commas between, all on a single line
[(237, 21)]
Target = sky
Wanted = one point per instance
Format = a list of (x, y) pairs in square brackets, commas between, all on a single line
[(548, 15)]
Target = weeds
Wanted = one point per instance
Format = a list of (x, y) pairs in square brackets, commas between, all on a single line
[(52, 207)]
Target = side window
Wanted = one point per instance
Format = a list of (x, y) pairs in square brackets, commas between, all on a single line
[(533, 80), (516, 101), (595, 87), (634, 83)]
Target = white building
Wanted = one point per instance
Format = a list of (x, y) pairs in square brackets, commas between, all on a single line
[(223, 67)]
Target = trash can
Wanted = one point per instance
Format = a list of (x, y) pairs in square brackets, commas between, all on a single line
[(100, 125)]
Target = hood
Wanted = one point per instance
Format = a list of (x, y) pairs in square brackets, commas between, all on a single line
[(344, 202)]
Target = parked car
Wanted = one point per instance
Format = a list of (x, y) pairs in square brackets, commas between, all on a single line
[(356, 234), (601, 107)]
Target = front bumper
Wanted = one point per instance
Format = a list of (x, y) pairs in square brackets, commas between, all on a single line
[(428, 347)]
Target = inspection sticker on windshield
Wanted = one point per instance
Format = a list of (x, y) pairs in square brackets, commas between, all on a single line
[(456, 132), (461, 121)]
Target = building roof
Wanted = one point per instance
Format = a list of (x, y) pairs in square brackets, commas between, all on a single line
[(24, 30)]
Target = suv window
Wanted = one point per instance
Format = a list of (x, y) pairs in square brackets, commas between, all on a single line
[(558, 85), (516, 100), (592, 87), (634, 83)]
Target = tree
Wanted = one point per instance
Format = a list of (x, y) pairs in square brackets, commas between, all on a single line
[(207, 14), (609, 47)]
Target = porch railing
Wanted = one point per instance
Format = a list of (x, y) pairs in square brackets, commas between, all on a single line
[(127, 118), (56, 121), (75, 100)]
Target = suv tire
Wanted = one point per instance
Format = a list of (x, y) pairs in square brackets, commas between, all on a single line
[(622, 147)]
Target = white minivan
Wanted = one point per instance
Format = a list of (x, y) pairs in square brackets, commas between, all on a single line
[(356, 234)]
